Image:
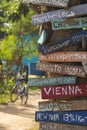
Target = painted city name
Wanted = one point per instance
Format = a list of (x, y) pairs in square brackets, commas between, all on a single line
[(57, 3), (68, 91), (61, 69), (69, 23), (59, 14), (66, 117), (59, 126), (62, 105), (64, 57), (51, 81), (70, 40)]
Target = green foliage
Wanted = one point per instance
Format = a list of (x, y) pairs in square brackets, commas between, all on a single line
[(7, 85), (4, 98), (16, 31), (8, 47), (23, 26), (16, 24), (14, 15)]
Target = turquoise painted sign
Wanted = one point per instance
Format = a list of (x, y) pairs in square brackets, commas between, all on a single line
[(51, 81), (69, 23)]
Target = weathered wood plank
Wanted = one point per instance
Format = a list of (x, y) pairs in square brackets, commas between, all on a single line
[(56, 3), (48, 126), (32, 70), (69, 23), (51, 81), (64, 57), (84, 63), (61, 69), (66, 91), (58, 126), (67, 41), (62, 105), (74, 11), (67, 117)]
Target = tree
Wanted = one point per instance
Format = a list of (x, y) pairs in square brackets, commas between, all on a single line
[(16, 24)]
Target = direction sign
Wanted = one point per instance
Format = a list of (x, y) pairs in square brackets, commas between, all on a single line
[(74, 11), (51, 81), (69, 23), (67, 91), (67, 117), (61, 69), (58, 126), (57, 3), (62, 105), (67, 41), (64, 57), (49, 126)]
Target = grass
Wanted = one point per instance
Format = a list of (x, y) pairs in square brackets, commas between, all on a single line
[(4, 98), (36, 127)]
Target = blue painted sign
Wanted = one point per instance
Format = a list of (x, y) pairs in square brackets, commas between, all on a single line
[(32, 69), (52, 81), (69, 23), (79, 10), (70, 40), (66, 117)]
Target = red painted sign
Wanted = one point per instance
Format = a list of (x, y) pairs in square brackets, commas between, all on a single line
[(68, 91)]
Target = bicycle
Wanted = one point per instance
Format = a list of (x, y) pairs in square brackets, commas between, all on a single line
[(19, 90)]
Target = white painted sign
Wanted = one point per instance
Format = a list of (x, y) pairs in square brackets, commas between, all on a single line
[(57, 3), (79, 10)]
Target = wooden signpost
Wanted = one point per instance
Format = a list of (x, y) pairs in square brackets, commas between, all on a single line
[(67, 41), (51, 81), (79, 10), (58, 126), (57, 3), (66, 117), (69, 23), (62, 105), (61, 69), (67, 91), (32, 70), (64, 57)]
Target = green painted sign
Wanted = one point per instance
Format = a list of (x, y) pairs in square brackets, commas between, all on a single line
[(51, 81), (69, 23)]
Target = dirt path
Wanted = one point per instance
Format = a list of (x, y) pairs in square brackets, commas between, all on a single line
[(15, 116)]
